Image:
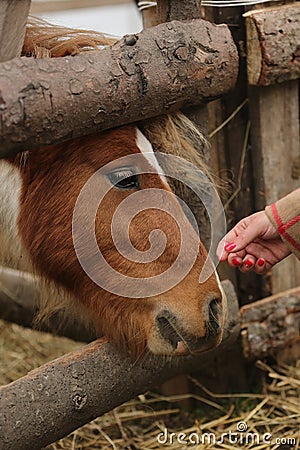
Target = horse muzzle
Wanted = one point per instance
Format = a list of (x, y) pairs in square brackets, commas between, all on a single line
[(172, 337)]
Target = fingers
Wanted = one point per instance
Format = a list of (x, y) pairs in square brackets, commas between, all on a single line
[(249, 262), (253, 244), (241, 241), (245, 232), (224, 245), (260, 266), (235, 260), (243, 261)]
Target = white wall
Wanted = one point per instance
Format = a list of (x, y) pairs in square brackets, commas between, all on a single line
[(116, 20)]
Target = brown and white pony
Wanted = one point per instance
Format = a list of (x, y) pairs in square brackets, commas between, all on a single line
[(39, 192)]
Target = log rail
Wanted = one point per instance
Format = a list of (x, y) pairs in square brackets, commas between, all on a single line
[(143, 75), (271, 327), (44, 101), (64, 394)]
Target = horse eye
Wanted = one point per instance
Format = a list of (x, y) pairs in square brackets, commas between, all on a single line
[(124, 179)]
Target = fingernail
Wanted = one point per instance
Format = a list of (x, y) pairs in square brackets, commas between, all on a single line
[(260, 262), (248, 263), (236, 262), (230, 246)]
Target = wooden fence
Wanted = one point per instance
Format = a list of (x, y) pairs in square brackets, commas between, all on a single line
[(254, 133)]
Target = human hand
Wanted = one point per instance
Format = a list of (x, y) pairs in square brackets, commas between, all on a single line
[(253, 243)]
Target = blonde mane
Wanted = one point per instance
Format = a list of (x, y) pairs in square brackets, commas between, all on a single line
[(170, 133), (44, 40)]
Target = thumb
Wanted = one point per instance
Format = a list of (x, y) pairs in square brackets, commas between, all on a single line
[(237, 239), (242, 236)]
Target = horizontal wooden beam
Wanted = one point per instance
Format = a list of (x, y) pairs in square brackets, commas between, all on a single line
[(39, 7), (161, 69), (272, 325), (19, 301), (64, 394), (268, 326), (273, 44), (87, 383), (18, 296)]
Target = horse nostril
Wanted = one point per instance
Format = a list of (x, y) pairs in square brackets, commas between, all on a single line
[(167, 329), (213, 314)]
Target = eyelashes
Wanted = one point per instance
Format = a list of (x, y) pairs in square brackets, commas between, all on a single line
[(124, 178)]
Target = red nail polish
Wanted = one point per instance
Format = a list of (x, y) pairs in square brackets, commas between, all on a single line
[(260, 262), (236, 262), (230, 246), (248, 263)]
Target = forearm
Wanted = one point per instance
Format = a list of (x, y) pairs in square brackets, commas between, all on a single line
[(285, 216)]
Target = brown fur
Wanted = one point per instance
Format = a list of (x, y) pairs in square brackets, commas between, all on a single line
[(52, 179), (50, 190)]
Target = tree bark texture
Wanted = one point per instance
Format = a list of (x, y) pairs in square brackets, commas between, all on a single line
[(275, 143), (273, 44), (64, 394), (18, 296), (271, 325), (169, 10), (166, 11), (144, 75)]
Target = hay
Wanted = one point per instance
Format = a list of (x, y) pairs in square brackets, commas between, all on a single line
[(136, 424), (23, 349)]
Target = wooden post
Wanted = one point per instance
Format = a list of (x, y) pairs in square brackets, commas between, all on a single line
[(168, 10), (275, 142), (275, 146), (13, 18), (231, 160), (178, 10), (218, 372), (230, 148), (273, 52)]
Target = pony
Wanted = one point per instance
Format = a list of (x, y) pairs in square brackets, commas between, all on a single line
[(39, 193)]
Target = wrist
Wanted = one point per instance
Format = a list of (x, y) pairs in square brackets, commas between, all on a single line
[(285, 217)]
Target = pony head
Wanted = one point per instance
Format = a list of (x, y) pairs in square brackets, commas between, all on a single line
[(175, 314)]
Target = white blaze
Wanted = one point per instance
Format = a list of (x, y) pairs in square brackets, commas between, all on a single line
[(147, 150)]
